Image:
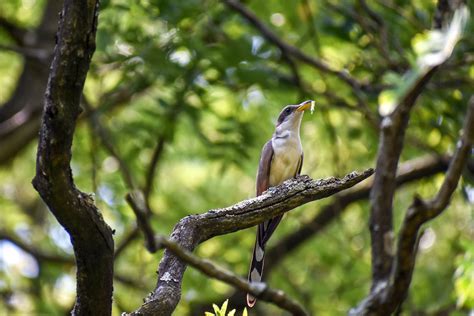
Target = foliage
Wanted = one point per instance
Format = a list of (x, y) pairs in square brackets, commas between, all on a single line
[(195, 74), (222, 311)]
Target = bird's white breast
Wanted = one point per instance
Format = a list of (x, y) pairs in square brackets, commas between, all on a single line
[(286, 155)]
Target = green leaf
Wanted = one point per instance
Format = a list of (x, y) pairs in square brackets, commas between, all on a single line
[(224, 307), (216, 309)]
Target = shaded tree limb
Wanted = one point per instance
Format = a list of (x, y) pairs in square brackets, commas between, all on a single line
[(259, 290), (392, 134), (90, 236), (138, 199), (195, 229), (385, 298)]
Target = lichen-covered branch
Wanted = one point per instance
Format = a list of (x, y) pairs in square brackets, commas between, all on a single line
[(91, 237), (195, 229)]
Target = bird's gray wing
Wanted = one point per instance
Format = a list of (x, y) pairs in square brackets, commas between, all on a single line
[(268, 227), (300, 165), (263, 182), (263, 174)]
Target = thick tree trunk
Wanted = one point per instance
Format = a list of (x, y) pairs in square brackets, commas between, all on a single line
[(91, 237)]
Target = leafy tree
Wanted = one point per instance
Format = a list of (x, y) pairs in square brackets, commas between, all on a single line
[(178, 101)]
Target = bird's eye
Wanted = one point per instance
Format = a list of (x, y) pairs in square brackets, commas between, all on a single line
[(288, 111)]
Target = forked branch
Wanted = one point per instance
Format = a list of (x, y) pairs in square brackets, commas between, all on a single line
[(195, 229)]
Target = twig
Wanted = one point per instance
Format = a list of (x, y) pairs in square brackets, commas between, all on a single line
[(195, 229), (289, 49), (155, 159), (260, 290), (129, 237), (382, 42), (106, 141), (135, 198), (137, 202)]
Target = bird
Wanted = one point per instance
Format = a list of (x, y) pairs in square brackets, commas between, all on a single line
[(280, 160)]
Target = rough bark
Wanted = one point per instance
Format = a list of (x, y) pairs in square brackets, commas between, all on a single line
[(75, 211), (195, 229)]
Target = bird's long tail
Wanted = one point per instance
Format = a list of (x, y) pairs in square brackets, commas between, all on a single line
[(264, 232)]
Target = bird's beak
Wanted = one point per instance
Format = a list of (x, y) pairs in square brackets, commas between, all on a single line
[(304, 106)]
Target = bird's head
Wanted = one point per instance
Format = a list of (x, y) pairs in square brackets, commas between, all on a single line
[(290, 117)]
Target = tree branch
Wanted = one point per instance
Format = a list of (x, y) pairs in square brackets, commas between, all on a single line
[(195, 229), (393, 129), (391, 293), (409, 171), (137, 202), (391, 143), (259, 290), (154, 162), (91, 237)]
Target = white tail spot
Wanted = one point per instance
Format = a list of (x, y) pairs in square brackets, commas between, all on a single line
[(259, 253), (255, 276)]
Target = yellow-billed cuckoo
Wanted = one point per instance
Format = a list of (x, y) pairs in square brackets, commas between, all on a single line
[(281, 159)]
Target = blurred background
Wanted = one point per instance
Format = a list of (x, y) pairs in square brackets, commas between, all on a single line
[(179, 100)]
